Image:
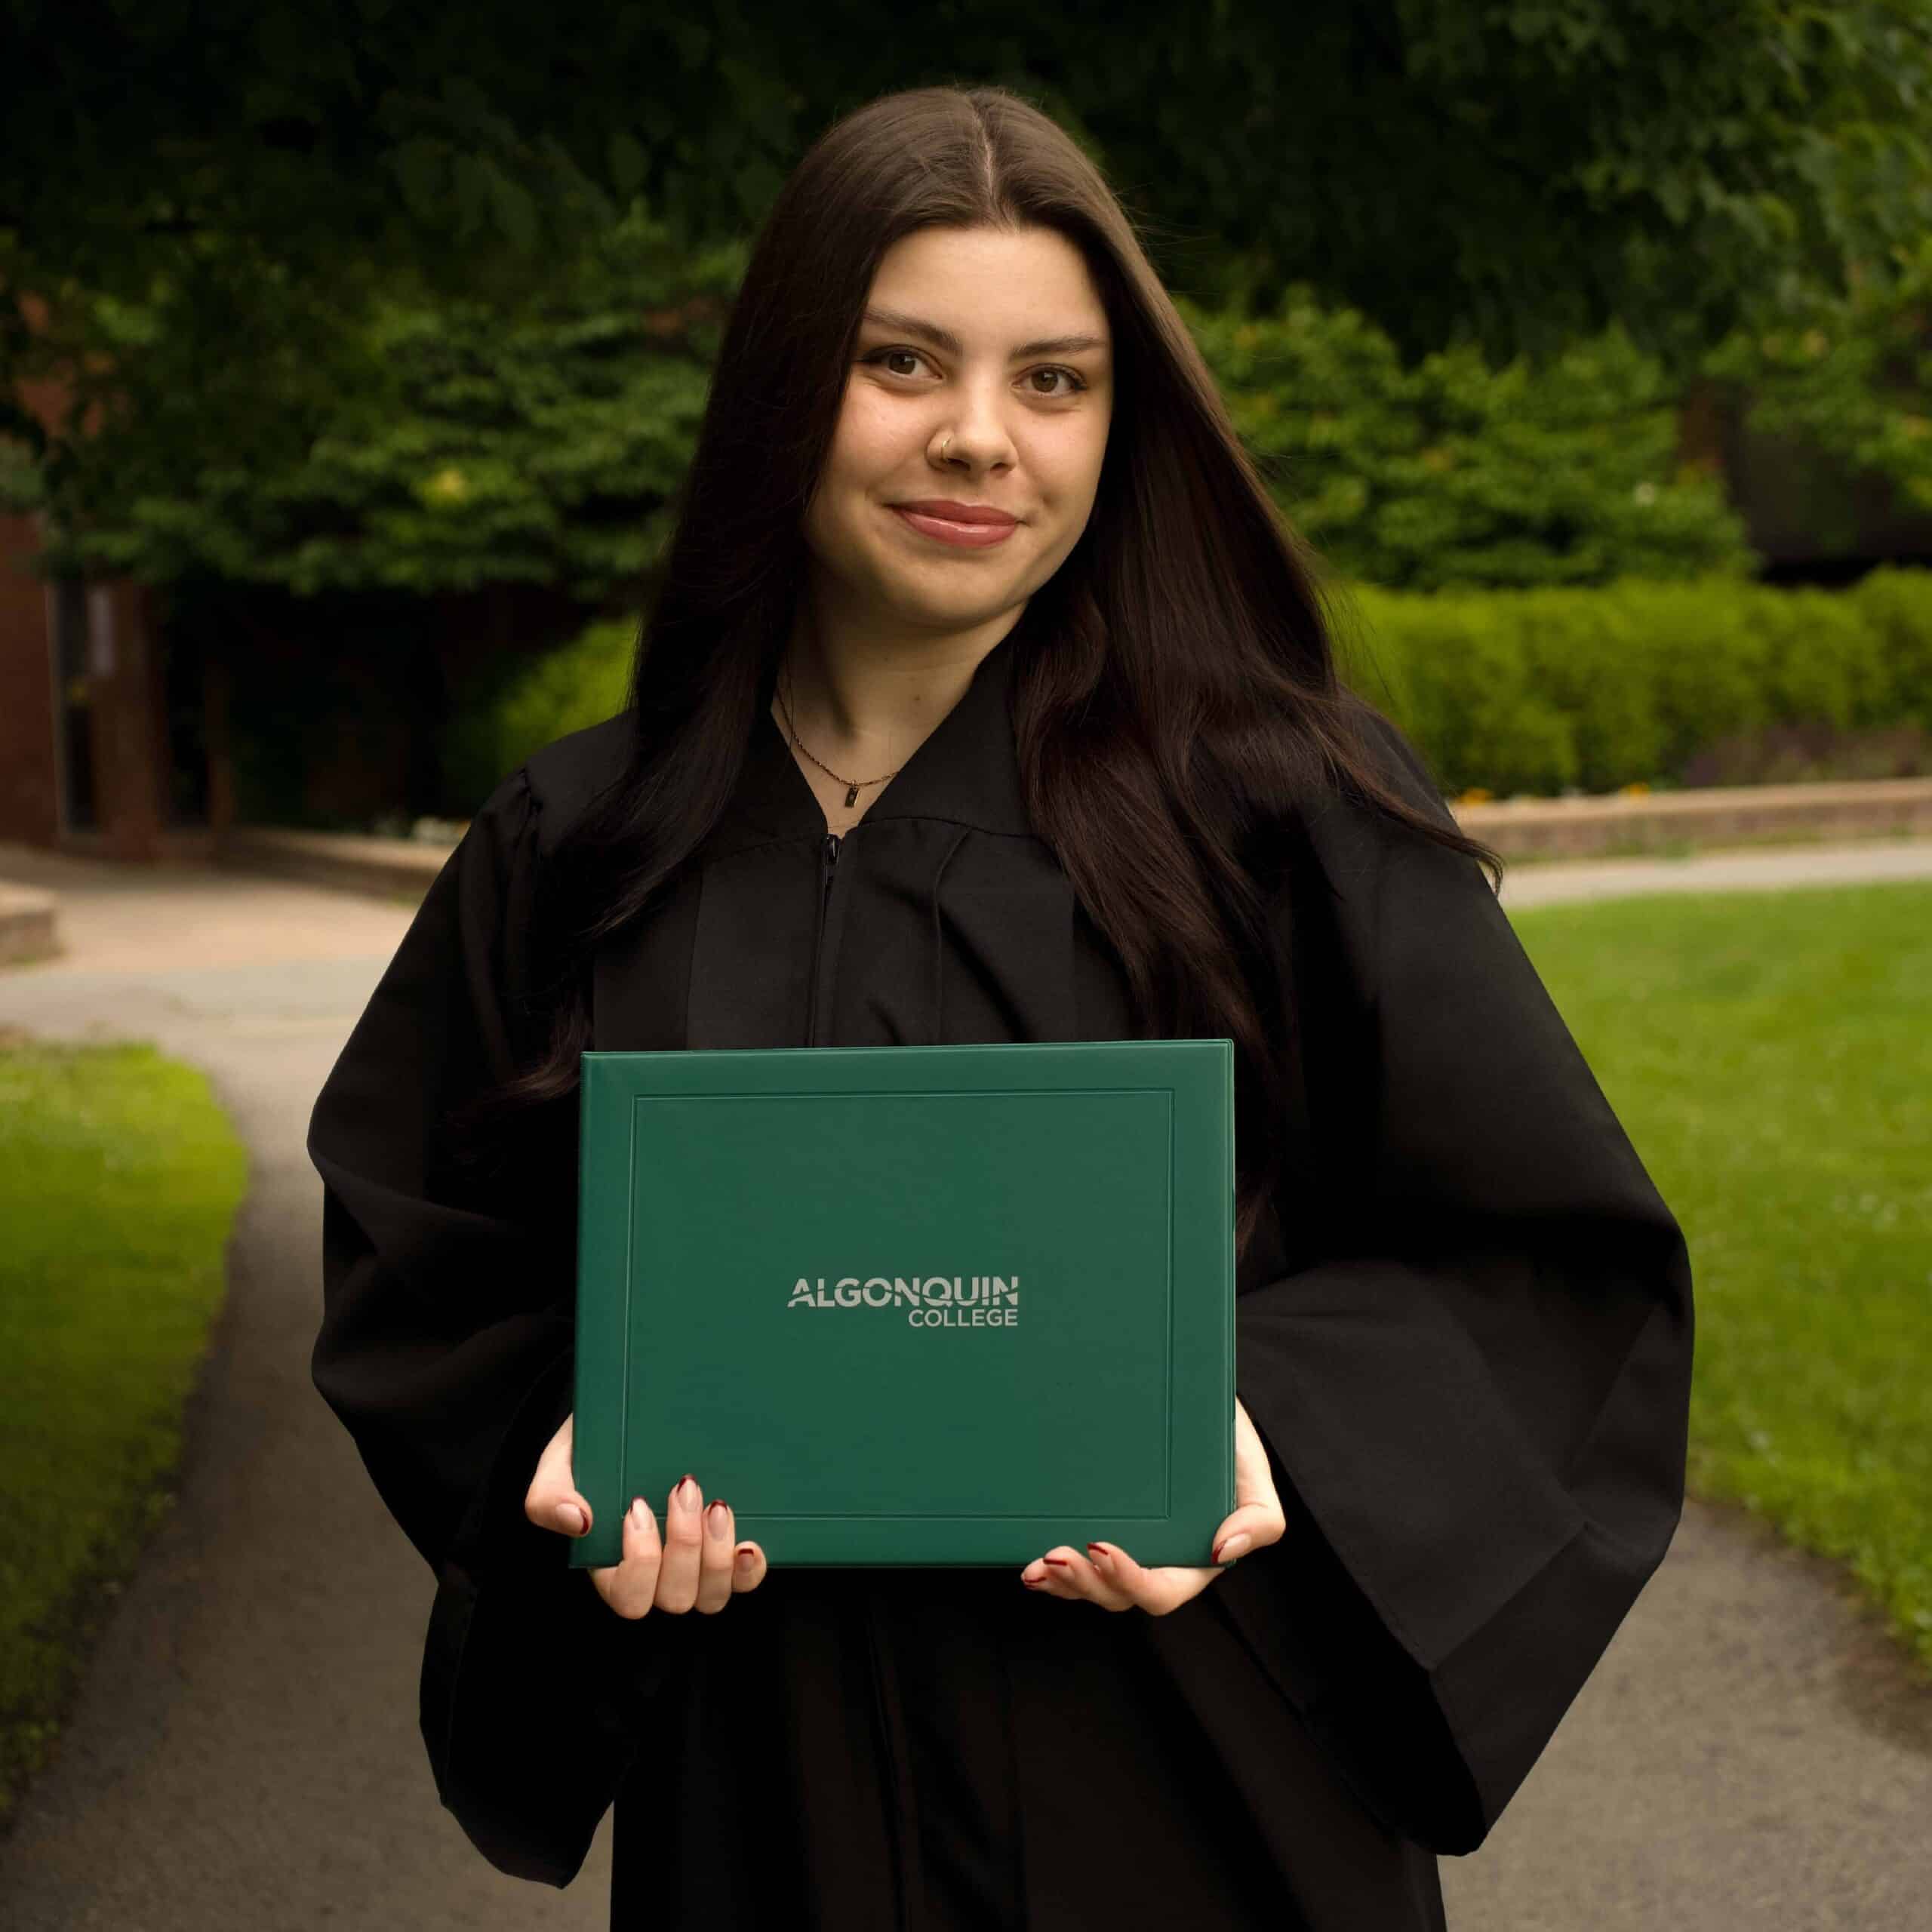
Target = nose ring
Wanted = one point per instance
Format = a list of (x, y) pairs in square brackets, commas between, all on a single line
[(943, 447)]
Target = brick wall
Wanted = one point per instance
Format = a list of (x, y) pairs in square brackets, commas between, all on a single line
[(29, 773)]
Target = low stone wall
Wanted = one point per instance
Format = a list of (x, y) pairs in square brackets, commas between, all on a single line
[(1715, 817), (29, 923), (389, 867)]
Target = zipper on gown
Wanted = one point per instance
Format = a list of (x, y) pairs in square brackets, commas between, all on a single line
[(894, 1752), (893, 1749), (828, 861)]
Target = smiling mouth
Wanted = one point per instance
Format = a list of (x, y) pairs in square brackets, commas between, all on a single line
[(972, 531)]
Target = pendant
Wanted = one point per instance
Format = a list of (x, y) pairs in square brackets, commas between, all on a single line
[(851, 793)]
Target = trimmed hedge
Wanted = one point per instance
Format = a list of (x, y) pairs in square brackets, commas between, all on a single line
[(1541, 691), (1548, 690), (526, 703)]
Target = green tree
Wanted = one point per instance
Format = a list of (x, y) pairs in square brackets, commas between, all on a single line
[(400, 441), (1848, 374), (362, 297), (1519, 170), (1447, 472), (450, 447)]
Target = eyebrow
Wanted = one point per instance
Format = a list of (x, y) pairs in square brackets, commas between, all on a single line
[(940, 338)]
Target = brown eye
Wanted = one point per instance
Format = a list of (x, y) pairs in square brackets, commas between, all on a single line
[(1075, 384), (880, 357)]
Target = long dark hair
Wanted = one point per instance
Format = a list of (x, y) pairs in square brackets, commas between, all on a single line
[(1177, 689)]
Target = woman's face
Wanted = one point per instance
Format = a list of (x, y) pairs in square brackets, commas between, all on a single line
[(983, 377)]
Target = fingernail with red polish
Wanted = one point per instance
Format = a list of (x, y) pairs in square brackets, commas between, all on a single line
[(1059, 1562)]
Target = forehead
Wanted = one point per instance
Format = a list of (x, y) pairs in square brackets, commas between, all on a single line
[(989, 284)]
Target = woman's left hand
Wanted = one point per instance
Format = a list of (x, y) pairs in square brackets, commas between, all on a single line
[(1106, 1575)]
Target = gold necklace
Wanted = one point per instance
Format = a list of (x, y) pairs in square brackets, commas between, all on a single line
[(851, 784)]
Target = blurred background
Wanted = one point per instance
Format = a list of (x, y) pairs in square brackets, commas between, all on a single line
[(349, 360)]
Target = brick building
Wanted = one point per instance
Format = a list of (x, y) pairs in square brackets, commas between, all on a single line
[(111, 743)]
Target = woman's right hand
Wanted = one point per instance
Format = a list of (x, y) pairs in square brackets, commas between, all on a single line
[(694, 1566)]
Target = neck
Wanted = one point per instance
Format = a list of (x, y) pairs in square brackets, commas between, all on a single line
[(862, 696)]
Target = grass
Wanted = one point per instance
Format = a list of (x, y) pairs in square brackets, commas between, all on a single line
[(119, 1179), (1771, 1055)]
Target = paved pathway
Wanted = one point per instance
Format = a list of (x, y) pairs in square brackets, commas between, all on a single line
[(1543, 881), (245, 1751), (1751, 1752)]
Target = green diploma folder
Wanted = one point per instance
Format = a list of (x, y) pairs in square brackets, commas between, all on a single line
[(911, 1304)]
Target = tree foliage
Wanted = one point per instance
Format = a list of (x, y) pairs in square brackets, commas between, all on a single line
[(417, 299), (399, 440), (1517, 170), (1450, 472), (448, 447), (1850, 375)]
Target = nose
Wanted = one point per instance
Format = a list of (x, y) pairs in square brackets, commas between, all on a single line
[(976, 437)]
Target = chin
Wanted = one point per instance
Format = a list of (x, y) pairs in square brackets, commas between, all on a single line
[(930, 599), (926, 615)]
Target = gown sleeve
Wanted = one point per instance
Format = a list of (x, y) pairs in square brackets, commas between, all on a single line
[(446, 1349), (1473, 1379), (447, 1294)]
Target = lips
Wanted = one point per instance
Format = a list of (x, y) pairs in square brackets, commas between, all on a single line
[(967, 526), (942, 510)]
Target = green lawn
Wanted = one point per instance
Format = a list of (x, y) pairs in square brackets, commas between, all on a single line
[(1770, 1054), (119, 1178)]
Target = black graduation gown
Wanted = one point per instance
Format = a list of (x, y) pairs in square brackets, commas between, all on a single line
[(1464, 1335)]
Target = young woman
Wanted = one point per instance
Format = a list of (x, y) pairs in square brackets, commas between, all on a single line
[(986, 697)]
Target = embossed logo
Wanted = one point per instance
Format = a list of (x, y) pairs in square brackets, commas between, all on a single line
[(930, 1301)]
